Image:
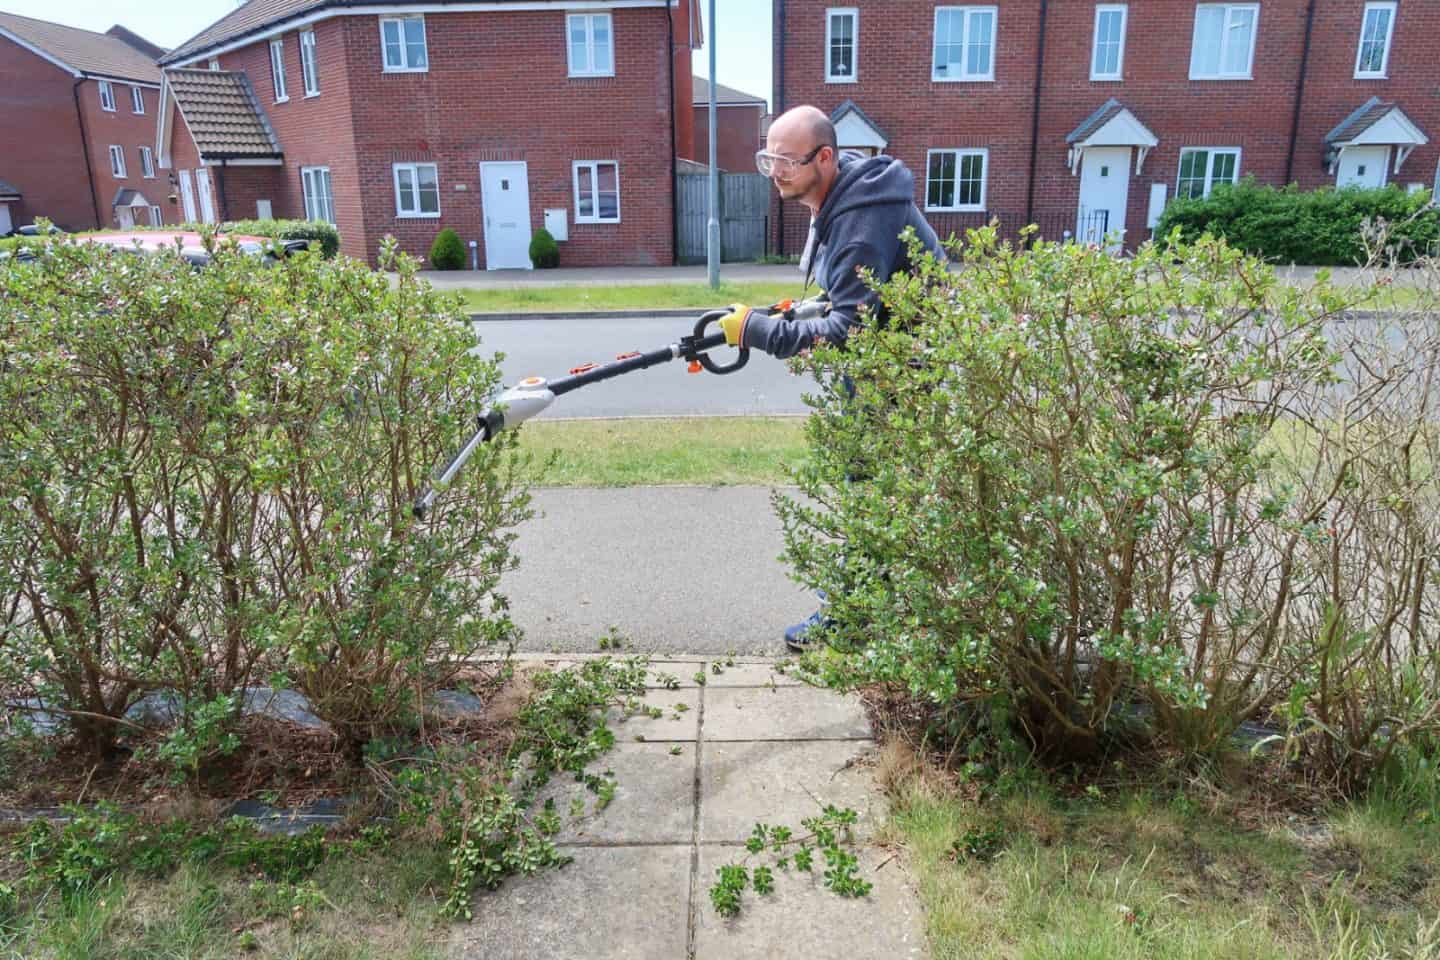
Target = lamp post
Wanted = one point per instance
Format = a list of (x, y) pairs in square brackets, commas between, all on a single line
[(712, 246)]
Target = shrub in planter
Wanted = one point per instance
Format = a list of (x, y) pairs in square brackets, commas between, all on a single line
[(207, 474), (1062, 455), (448, 251), (544, 251)]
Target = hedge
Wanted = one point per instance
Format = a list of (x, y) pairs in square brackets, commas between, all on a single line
[(316, 231), (1321, 227)]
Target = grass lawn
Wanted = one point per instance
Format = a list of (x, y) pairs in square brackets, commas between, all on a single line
[(621, 453), (687, 296), (1164, 872)]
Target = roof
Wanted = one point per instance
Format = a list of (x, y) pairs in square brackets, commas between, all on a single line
[(852, 109), (1108, 111), (223, 115), (1377, 121), (1112, 125), (9, 191), (82, 51), (724, 96), (126, 197), (258, 16)]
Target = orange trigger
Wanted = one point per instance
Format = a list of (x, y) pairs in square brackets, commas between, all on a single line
[(583, 368), (694, 366)]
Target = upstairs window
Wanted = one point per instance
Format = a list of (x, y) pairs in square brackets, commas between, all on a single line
[(417, 190), (309, 67), (137, 101), (597, 191), (403, 39), (107, 96), (955, 180), (117, 162), (1223, 46), (1373, 59), (147, 163), (1107, 60), (841, 37), (1202, 168), (277, 69), (591, 46), (964, 44)]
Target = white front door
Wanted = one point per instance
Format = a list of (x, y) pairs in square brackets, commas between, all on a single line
[(505, 202), (207, 204), (1362, 167), (127, 220), (5, 225), (1104, 194), (187, 196)]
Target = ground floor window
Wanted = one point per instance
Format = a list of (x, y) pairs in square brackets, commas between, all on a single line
[(1203, 167), (597, 191), (319, 201), (417, 190), (955, 180)]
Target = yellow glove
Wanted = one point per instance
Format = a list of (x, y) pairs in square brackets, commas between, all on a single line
[(734, 324)]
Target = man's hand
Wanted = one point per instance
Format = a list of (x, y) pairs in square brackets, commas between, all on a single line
[(734, 323)]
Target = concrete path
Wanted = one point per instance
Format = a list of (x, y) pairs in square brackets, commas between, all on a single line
[(752, 746)]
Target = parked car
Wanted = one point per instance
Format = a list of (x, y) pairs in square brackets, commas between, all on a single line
[(33, 230), (190, 245)]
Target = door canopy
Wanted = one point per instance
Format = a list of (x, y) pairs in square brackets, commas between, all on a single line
[(1113, 125), (1375, 123)]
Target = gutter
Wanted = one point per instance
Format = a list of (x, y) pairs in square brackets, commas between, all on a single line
[(779, 109), (85, 150), (1299, 91), (674, 199), (1035, 115)]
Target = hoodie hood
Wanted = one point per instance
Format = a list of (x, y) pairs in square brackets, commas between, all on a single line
[(866, 182)]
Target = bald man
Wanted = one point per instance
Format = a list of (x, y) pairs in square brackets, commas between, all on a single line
[(858, 207)]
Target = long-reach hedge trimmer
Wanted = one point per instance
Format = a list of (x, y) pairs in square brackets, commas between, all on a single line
[(532, 395)]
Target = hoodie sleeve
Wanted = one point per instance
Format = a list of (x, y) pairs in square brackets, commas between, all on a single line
[(846, 292)]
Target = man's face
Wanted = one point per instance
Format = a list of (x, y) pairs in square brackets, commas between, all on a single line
[(794, 180)]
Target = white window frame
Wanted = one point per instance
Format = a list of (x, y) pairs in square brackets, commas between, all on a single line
[(157, 216), (594, 167), (960, 153), (309, 64), (854, 14), (1100, 10), (405, 65), (137, 101), (215, 64), (416, 214), (1209, 167), (1229, 8), (117, 162), (147, 163), (107, 96), (587, 69), (323, 203), (969, 12), (277, 69), (1384, 72)]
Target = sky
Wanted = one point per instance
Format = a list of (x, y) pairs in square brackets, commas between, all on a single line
[(742, 51)]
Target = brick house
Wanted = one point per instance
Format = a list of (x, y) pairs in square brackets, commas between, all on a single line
[(78, 113), (491, 117), (737, 126), (1084, 117)]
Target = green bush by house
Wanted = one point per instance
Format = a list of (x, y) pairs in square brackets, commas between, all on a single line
[(1323, 227), (448, 251), (544, 251)]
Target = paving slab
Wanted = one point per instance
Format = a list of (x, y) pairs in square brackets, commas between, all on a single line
[(802, 920), (654, 798), (665, 729), (745, 783), (783, 713), (625, 903), (748, 675)]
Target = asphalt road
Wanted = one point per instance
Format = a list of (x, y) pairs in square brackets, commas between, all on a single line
[(550, 348)]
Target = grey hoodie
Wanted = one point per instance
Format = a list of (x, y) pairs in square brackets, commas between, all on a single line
[(870, 204)]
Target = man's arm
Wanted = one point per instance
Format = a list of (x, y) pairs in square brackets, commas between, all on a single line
[(847, 293)]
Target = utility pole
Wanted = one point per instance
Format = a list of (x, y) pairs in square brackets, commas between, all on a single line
[(712, 245)]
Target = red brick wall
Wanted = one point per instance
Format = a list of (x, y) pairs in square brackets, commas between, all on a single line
[(737, 137), (497, 90), (895, 90), (43, 155), (124, 128)]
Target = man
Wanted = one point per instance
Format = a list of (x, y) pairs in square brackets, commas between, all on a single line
[(858, 207)]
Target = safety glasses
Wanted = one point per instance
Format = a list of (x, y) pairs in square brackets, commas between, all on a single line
[(772, 164)]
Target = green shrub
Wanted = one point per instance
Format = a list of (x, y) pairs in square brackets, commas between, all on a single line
[(323, 236), (1321, 227), (544, 251), (207, 477), (448, 251)]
